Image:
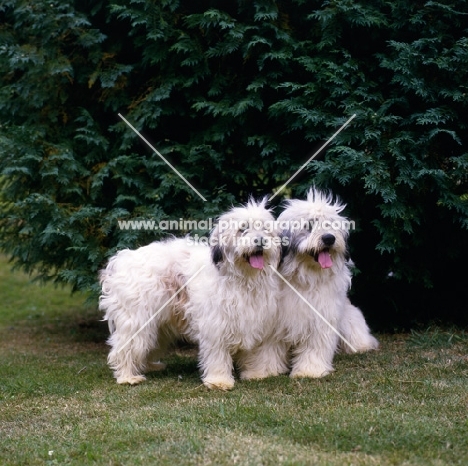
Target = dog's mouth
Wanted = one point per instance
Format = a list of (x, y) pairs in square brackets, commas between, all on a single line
[(256, 260), (323, 258)]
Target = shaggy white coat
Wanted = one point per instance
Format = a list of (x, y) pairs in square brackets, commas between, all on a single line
[(316, 265), (228, 306)]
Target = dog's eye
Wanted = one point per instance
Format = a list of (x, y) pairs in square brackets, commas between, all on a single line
[(313, 223)]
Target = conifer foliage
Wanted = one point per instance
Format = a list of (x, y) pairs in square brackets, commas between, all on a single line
[(237, 96)]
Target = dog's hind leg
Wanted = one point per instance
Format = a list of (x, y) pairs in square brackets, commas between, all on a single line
[(128, 356), (153, 360), (354, 329)]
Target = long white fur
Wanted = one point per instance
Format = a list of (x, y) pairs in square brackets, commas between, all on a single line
[(228, 307), (311, 341)]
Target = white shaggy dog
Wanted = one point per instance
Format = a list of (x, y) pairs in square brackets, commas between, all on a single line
[(221, 296), (316, 265)]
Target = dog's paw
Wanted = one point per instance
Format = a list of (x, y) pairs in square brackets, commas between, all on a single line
[(219, 383), (374, 344), (155, 366), (310, 372), (253, 374), (369, 343), (257, 374), (131, 380)]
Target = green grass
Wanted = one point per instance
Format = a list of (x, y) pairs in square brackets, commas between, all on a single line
[(404, 405)]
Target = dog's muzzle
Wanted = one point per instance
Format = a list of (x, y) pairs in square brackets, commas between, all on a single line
[(323, 257), (256, 258)]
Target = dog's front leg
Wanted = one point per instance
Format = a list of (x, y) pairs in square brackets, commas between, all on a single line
[(313, 357), (267, 360), (216, 365)]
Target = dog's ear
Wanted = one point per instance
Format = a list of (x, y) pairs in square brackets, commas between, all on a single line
[(216, 251), (216, 255), (285, 236)]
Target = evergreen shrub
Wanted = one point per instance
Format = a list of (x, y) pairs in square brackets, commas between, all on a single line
[(238, 95)]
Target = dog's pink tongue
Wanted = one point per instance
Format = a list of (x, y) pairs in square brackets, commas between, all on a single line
[(325, 260), (256, 261)]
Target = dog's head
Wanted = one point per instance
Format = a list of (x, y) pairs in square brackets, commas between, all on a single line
[(315, 231), (246, 238)]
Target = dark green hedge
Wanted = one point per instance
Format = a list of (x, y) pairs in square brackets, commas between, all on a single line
[(237, 95)]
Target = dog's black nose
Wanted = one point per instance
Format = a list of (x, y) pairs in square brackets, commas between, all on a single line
[(258, 242), (328, 239)]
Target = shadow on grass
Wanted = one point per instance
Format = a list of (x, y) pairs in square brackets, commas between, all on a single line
[(74, 325), (181, 361)]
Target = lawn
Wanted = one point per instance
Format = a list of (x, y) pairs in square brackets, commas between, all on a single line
[(406, 404)]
